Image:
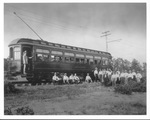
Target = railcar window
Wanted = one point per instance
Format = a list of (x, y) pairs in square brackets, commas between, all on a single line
[(42, 51), (68, 47), (11, 53), (56, 45), (80, 55), (51, 44), (74, 48), (45, 57), (87, 61), (82, 60), (39, 57), (69, 54), (57, 52), (95, 62), (17, 55), (99, 62), (91, 61), (63, 46), (77, 60), (89, 56), (45, 51), (56, 58), (71, 59), (105, 61), (42, 57), (67, 59)]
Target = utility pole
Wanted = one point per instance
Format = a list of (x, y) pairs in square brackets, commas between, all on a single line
[(118, 40), (27, 25), (106, 33)]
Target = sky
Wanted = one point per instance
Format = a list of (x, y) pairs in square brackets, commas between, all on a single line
[(81, 25)]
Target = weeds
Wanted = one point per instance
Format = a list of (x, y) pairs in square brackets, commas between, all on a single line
[(24, 111), (19, 111), (123, 89), (9, 87), (131, 87), (8, 111)]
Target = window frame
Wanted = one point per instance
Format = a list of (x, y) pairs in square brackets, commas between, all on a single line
[(17, 53)]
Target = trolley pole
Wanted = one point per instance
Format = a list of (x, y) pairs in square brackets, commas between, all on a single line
[(106, 33), (27, 25)]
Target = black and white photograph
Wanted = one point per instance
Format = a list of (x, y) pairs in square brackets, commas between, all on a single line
[(75, 59)]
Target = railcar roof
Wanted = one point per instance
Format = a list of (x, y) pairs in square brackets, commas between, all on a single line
[(28, 40)]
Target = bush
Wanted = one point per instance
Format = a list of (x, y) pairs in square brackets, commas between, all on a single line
[(138, 87), (20, 111), (24, 111), (8, 111), (9, 87), (132, 86), (123, 89)]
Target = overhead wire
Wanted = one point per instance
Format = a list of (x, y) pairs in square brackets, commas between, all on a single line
[(30, 16)]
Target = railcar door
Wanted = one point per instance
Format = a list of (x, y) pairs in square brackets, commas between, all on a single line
[(29, 54)]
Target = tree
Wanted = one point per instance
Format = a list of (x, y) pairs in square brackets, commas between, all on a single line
[(136, 65)]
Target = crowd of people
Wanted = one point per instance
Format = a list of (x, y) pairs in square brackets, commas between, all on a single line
[(105, 76), (109, 77)]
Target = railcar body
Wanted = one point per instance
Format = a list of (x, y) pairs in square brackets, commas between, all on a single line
[(52, 57)]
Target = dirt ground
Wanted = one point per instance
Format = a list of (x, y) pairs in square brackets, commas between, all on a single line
[(82, 99)]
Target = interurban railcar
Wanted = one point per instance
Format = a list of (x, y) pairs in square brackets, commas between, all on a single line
[(51, 57)]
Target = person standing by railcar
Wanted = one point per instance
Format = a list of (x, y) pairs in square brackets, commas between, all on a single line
[(126, 76), (105, 76), (100, 75), (109, 74), (139, 76), (25, 61), (113, 78), (122, 77), (118, 77), (103, 73), (96, 74)]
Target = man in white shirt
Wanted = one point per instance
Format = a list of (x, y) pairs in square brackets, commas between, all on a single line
[(114, 79), (96, 74), (55, 79), (100, 75), (126, 77), (138, 76), (65, 78), (122, 77), (76, 78), (130, 76), (71, 78), (88, 78), (118, 77), (109, 74)]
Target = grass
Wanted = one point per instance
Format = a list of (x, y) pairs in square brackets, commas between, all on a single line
[(78, 99), (134, 108)]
